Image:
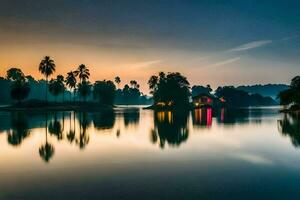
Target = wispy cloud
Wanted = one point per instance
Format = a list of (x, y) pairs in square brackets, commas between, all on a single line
[(143, 64), (250, 45), (224, 62), (289, 38)]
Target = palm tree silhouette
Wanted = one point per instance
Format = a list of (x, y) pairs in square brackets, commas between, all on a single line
[(71, 82), (117, 80), (56, 86), (47, 68), (82, 72)]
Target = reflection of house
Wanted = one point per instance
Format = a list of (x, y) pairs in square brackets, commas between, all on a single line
[(202, 117), (207, 100)]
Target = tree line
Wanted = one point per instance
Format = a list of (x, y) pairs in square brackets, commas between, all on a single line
[(75, 84)]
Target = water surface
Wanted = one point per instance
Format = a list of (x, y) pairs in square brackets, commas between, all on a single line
[(140, 154)]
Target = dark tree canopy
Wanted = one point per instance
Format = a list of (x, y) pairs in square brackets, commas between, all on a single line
[(56, 86), (199, 89), (239, 98), (84, 89), (20, 88), (291, 95), (171, 87), (104, 91)]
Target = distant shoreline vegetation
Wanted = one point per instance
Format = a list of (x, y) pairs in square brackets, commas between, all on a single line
[(290, 98), (74, 91)]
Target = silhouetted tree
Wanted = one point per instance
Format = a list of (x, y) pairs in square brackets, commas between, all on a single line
[(104, 91), (172, 87), (20, 88), (71, 82), (291, 95), (47, 68), (117, 80), (83, 73), (15, 74), (239, 98), (199, 89), (56, 86), (84, 89)]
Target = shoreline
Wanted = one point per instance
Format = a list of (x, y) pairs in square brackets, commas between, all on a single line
[(62, 106)]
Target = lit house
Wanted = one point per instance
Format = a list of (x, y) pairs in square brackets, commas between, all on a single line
[(207, 100)]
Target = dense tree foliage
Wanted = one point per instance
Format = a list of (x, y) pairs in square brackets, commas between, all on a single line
[(291, 95), (71, 82), (19, 85), (84, 89), (104, 91), (199, 89), (239, 98), (56, 86), (171, 87)]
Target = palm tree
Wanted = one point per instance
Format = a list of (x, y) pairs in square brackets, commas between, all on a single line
[(56, 86), (117, 80), (71, 82), (61, 80), (83, 73), (84, 89), (47, 68)]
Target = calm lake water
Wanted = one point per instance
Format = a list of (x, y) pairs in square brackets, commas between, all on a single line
[(140, 154)]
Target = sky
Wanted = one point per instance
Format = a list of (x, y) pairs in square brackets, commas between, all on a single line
[(216, 42)]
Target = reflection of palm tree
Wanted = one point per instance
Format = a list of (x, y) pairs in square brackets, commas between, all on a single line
[(55, 128), (84, 123), (19, 129), (46, 151), (290, 126), (71, 133), (170, 127)]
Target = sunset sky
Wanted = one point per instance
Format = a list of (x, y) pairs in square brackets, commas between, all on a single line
[(210, 42)]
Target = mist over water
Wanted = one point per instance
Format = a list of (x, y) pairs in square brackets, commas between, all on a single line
[(133, 153)]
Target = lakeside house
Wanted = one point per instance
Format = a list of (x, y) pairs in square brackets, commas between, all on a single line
[(207, 100)]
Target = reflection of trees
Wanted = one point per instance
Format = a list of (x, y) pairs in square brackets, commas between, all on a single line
[(84, 123), (234, 116), (55, 128), (71, 133), (104, 120), (20, 128), (290, 126), (131, 117), (46, 150), (170, 127)]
